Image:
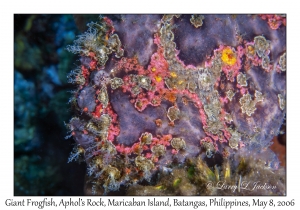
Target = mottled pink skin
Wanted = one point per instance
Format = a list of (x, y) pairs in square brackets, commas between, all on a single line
[(156, 68), (241, 144), (144, 102), (224, 100), (174, 151), (113, 132), (124, 150), (243, 90), (255, 60), (240, 51), (234, 69), (227, 134), (274, 21)]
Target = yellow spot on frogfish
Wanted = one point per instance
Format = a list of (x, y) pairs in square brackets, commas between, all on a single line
[(173, 74), (158, 78), (228, 56)]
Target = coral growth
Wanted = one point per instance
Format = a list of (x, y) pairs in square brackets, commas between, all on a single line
[(234, 177), (274, 21), (137, 120)]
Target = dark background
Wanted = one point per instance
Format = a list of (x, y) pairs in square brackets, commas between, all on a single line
[(41, 94)]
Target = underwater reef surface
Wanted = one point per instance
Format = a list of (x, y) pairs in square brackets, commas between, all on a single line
[(169, 103)]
